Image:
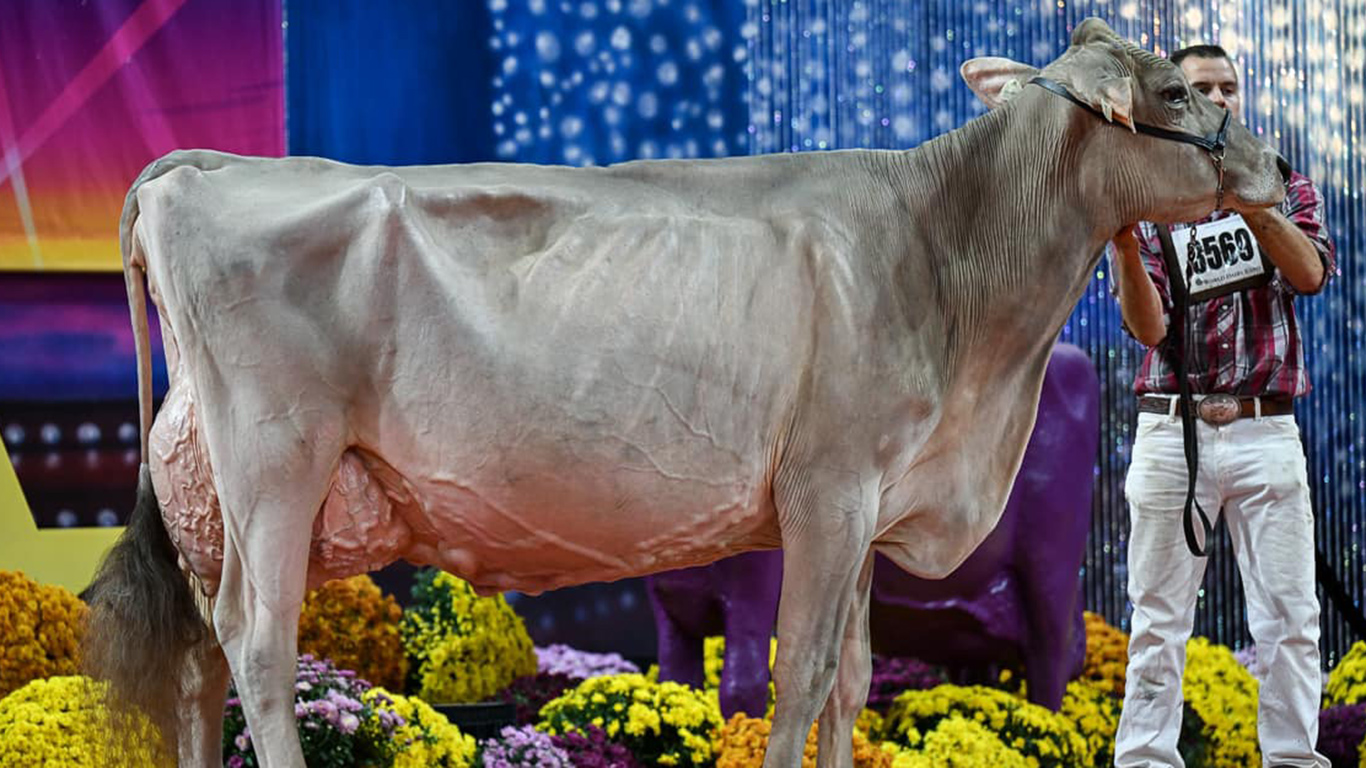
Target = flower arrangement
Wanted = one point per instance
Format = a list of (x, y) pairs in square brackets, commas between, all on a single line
[(592, 749), (869, 722), (353, 623), (1107, 654), (330, 713), (580, 665), (742, 740), (957, 741), (420, 737), (41, 627), (1342, 731), (892, 675), (529, 693), (661, 723), (1045, 739), (1094, 709), (1347, 681), (462, 647), (523, 747), (57, 722), (1224, 695)]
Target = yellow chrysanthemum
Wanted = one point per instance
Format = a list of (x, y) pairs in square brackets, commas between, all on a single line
[(426, 739), (664, 723), (959, 742), (1107, 654), (1224, 694), (56, 723), (41, 627), (1046, 739), (1094, 709), (463, 647), (356, 626), (742, 740), (1347, 681)]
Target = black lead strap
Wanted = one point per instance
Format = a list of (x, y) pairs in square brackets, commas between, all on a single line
[(1174, 346), (1174, 349)]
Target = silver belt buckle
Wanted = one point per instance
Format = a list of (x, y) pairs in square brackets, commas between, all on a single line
[(1219, 410)]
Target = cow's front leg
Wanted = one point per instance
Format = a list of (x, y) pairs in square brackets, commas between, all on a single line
[(826, 522), (851, 679)]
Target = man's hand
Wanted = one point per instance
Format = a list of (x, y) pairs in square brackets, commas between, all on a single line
[(1139, 302), (1288, 248)]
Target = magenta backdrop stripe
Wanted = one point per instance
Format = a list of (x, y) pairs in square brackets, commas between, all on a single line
[(121, 46), (98, 90)]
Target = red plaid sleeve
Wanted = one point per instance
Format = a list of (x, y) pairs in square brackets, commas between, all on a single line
[(1303, 206)]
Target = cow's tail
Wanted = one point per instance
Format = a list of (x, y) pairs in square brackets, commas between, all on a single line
[(146, 623)]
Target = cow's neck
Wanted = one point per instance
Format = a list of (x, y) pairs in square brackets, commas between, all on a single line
[(1015, 223)]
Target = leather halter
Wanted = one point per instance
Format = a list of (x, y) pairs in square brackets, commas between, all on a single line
[(1214, 144)]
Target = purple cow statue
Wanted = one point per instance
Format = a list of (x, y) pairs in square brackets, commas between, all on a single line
[(1016, 599)]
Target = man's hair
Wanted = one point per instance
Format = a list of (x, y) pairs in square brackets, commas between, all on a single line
[(1200, 51)]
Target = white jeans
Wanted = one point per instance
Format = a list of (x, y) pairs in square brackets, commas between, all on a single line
[(1255, 470)]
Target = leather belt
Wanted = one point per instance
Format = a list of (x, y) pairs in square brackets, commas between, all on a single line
[(1219, 409)]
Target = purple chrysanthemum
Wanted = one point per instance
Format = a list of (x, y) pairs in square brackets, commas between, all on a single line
[(523, 747), (892, 675), (528, 694), (1341, 730), (581, 665)]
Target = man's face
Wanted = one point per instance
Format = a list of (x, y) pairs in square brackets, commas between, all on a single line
[(1217, 79)]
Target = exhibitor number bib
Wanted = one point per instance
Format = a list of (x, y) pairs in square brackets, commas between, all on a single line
[(1220, 257)]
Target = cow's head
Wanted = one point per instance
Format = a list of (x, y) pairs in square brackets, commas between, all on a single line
[(1139, 96)]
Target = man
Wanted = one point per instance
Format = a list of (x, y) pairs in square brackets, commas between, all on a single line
[(1251, 463)]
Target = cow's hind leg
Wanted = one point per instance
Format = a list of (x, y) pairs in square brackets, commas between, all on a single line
[(826, 521), (270, 490)]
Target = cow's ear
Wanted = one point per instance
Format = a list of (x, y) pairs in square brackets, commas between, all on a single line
[(995, 80), (1113, 95)]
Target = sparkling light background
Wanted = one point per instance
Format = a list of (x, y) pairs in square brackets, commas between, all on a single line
[(597, 81), (601, 81)]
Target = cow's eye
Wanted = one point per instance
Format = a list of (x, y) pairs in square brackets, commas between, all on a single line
[(1176, 96)]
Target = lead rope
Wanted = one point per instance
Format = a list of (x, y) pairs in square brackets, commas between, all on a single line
[(1174, 349)]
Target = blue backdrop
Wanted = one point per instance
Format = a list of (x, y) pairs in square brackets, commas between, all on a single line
[(599, 81)]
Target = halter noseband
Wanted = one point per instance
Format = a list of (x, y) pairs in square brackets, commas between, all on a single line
[(1214, 144)]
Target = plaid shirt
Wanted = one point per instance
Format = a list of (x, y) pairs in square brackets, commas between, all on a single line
[(1245, 343)]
